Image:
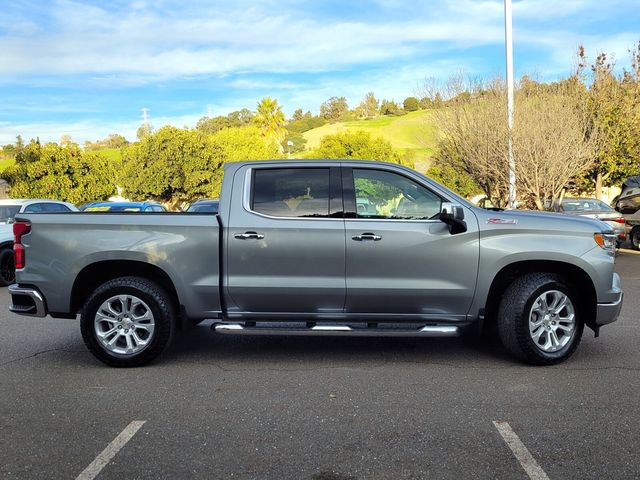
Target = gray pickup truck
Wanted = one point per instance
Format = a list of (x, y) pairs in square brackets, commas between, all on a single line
[(329, 247)]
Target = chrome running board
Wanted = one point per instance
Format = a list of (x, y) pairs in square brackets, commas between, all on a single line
[(337, 330)]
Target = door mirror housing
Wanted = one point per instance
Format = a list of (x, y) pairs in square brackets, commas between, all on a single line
[(453, 215)]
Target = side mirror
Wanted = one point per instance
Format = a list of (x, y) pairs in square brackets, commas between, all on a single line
[(453, 215)]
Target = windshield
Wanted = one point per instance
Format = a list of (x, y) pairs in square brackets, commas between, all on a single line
[(110, 208), (203, 208), (584, 205), (8, 211)]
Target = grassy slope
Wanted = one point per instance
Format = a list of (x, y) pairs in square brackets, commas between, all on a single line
[(6, 162), (110, 153), (414, 131)]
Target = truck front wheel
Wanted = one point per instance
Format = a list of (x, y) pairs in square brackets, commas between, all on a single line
[(127, 322), (539, 319)]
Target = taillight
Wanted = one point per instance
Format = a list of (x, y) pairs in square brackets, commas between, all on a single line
[(20, 228), (618, 220)]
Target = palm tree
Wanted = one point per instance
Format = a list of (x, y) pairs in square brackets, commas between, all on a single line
[(270, 119)]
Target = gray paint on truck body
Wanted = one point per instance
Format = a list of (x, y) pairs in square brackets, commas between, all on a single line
[(309, 268)]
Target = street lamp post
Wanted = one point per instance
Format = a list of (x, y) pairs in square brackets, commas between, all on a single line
[(508, 40)]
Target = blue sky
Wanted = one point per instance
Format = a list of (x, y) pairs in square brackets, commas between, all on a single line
[(87, 68)]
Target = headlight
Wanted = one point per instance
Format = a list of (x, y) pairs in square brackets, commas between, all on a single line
[(606, 241)]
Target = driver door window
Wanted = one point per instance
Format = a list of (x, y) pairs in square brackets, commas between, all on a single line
[(387, 195)]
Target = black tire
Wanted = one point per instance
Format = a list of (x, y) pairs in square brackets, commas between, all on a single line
[(634, 238), (513, 318), (158, 301), (7, 267)]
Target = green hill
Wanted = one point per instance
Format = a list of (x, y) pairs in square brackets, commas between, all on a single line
[(6, 162), (415, 131), (110, 153)]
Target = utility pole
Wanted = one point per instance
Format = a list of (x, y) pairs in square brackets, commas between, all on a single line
[(508, 40), (145, 116)]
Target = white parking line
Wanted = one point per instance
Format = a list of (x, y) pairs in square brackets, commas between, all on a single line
[(108, 453), (521, 453)]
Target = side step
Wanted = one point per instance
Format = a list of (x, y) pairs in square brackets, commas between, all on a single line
[(338, 330)]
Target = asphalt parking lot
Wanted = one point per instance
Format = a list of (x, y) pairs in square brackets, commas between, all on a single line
[(319, 408)]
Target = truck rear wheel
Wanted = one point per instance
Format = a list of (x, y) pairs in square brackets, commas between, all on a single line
[(127, 322), (539, 319)]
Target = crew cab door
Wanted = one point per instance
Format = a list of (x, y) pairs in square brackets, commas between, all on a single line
[(401, 259), (285, 242)]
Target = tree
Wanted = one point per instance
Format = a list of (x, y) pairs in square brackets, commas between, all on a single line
[(245, 143), (457, 180), (553, 142), (359, 145), (64, 173), (614, 105), (19, 144), (115, 140), (334, 109), (171, 165), (176, 165), (389, 107), (65, 140), (297, 140), (297, 115), (270, 119), (144, 130), (240, 118), (411, 104), (368, 107)]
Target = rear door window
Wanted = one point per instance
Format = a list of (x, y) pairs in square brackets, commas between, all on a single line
[(291, 192)]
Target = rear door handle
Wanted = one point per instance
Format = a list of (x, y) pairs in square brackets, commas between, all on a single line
[(367, 237), (249, 235)]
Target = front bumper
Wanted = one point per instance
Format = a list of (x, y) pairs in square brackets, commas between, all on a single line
[(609, 312), (27, 301)]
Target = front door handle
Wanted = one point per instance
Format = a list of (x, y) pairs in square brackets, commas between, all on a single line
[(249, 235), (367, 237)]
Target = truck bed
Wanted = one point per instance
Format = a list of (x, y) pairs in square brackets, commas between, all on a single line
[(185, 246)]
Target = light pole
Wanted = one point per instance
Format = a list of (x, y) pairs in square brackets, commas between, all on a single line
[(508, 40)]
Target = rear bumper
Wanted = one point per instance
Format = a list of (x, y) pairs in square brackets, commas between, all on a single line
[(609, 312), (27, 301)]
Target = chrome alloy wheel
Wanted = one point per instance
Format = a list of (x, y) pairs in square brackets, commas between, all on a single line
[(124, 324), (552, 321)]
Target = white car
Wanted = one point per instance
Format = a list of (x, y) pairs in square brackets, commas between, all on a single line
[(9, 208)]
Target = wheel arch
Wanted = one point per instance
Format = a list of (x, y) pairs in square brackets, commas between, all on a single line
[(575, 276), (97, 273)]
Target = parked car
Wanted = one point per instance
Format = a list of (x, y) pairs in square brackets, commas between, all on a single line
[(593, 208), (289, 253), (9, 208), (204, 206), (628, 205), (146, 207)]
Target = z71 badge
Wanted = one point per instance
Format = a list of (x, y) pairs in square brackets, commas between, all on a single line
[(502, 221)]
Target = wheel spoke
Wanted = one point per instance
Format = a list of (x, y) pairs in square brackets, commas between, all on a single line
[(122, 313), (565, 328), (137, 339), (537, 334), (548, 330), (562, 302), (107, 333)]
